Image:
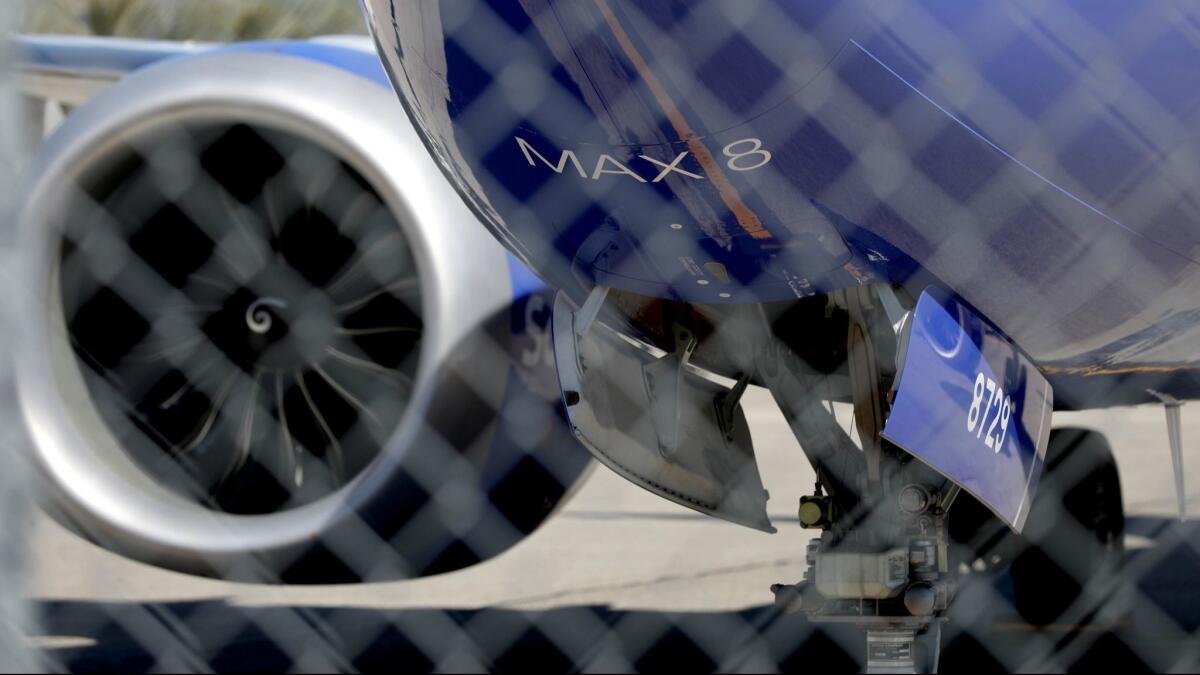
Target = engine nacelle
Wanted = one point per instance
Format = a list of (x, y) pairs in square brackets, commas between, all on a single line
[(274, 344)]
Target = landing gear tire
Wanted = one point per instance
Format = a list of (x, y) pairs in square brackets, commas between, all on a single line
[(1069, 559), (1066, 566)]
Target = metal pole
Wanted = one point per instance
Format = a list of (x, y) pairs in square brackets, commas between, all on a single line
[(15, 655), (1175, 436)]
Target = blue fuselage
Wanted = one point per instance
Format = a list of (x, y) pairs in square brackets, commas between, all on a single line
[(1039, 164)]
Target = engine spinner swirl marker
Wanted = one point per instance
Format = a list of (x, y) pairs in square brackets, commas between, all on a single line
[(258, 319)]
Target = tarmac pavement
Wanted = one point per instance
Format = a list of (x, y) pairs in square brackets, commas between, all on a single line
[(627, 556)]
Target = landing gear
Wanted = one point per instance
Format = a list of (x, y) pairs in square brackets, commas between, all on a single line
[(1074, 544), (891, 550), (932, 384), (881, 561), (1065, 567)]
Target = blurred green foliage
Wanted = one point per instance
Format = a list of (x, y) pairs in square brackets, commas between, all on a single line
[(216, 20)]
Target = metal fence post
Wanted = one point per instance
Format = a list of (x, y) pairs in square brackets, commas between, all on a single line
[(15, 655)]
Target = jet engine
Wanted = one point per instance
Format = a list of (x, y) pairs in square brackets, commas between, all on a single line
[(272, 342)]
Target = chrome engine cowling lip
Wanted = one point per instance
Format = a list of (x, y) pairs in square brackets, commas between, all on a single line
[(111, 500)]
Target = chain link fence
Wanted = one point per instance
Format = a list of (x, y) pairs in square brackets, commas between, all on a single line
[(276, 348)]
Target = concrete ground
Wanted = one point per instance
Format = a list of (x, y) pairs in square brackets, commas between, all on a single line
[(614, 547)]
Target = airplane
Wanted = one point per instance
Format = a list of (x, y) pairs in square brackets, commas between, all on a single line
[(958, 216), (270, 344)]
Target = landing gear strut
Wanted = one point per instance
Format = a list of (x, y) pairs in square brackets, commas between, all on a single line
[(881, 561)]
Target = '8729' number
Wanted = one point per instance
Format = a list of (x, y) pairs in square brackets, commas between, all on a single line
[(980, 412)]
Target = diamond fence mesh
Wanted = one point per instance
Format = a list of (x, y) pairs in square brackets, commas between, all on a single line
[(241, 364)]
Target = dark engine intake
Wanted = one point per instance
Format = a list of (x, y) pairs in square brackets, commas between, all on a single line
[(273, 345)]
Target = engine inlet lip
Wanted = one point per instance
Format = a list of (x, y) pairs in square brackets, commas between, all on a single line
[(304, 98)]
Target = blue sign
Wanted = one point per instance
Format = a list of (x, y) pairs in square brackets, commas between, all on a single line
[(972, 406)]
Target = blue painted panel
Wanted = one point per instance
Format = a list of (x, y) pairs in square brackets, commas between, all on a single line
[(362, 63), (972, 406), (120, 55)]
